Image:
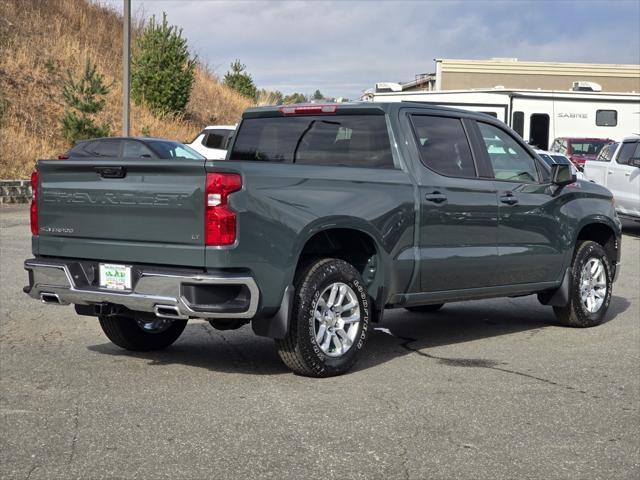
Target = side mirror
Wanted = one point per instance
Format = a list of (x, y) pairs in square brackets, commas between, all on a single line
[(561, 174), (634, 162)]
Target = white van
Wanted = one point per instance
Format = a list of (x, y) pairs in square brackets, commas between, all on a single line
[(619, 170)]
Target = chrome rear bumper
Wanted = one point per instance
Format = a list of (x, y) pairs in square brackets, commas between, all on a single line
[(154, 290)]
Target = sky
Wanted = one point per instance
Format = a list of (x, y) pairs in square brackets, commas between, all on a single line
[(344, 47)]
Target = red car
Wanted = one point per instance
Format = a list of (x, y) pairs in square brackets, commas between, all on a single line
[(579, 150)]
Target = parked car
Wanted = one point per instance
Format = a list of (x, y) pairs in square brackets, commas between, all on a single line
[(552, 158), (213, 141), (579, 150), (322, 217), (619, 172), (130, 147)]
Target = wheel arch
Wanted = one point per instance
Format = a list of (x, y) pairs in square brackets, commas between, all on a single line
[(352, 240)]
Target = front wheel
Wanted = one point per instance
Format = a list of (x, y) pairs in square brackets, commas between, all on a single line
[(589, 287), (141, 334), (329, 320)]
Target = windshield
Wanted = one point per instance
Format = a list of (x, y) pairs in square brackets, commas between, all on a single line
[(167, 150), (590, 147)]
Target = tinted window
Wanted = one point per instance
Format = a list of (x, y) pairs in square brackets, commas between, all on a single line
[(606, 118), (103, 148), (135, 149), (509, 160), (168, 150), (80, 150), (587, 147), (518, 123), (443, 145), (606, 152), (628, 151), (215, 139), (346, 140)]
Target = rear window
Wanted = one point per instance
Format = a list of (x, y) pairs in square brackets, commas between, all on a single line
[(216, 139), (341, 140), (168, 150), (591, 147)]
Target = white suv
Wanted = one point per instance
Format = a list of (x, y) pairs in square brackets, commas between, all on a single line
[(212, 142), (618, 169)]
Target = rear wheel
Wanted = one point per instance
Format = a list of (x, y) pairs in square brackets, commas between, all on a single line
[(589, 287), (141, 333), (329, 320), (426, 308)]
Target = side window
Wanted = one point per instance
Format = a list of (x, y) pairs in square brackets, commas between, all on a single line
[(134, 149), (509, 160), (214, 139), (563, 147), (628, 151), (518, 123), (103, 148), (443, 145), (606, 118), (606, 153), (107, 148)]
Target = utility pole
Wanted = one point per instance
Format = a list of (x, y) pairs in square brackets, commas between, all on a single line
[(126, 49)]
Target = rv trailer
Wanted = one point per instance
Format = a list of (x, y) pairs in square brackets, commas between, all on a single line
[(539, 116)]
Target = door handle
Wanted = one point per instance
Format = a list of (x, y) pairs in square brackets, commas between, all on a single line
[(627, 174), (435, 197), (609, 172), (509, 198), (111, 172)]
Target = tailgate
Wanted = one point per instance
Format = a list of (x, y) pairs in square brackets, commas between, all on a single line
[(132, 210)]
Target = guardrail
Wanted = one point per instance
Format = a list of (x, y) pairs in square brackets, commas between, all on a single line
[(15, 191)]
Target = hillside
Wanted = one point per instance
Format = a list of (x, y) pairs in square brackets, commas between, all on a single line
[(39, 41)]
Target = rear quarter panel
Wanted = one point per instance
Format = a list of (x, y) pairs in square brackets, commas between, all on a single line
[(281, 206)]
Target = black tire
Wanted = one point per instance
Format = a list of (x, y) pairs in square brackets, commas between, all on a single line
[(126, 333), (576, 314), (299, 350), (426, 308)]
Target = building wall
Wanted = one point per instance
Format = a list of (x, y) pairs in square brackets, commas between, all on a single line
[(465, 74)]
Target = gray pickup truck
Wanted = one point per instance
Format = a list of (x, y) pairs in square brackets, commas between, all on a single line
[(320, 218)]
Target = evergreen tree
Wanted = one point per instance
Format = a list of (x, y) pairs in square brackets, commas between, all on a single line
[(84, 99), (318, 95), (295, 98), (162, 69), (238, 79)]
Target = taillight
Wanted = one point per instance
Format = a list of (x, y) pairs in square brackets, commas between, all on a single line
[(63, 156), (34, 203), (219, 219), (309, 110)]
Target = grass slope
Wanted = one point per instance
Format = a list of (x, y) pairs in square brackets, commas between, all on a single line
[(39, 41)]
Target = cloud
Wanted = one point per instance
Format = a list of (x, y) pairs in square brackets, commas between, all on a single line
[(344, 47)]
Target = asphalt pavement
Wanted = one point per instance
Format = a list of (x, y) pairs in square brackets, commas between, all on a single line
[(491, 389)]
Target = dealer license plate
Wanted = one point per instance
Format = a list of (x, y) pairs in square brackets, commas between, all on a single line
[(115, 277)]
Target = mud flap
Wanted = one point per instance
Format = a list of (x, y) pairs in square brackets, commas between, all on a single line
[(558, 297), (278, 325)]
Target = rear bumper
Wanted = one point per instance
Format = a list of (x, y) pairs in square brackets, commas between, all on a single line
[(169, 293)]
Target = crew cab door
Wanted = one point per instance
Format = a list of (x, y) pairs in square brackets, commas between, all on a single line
[(530, 248), (623, 179), (458, 208)]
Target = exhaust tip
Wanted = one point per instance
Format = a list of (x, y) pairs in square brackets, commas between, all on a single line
[(167, 311), (50, 298)]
